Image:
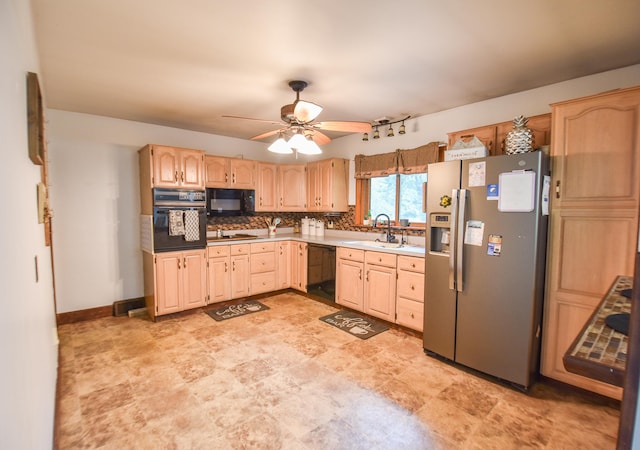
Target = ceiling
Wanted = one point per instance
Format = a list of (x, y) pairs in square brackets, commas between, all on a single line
[(185, 64)]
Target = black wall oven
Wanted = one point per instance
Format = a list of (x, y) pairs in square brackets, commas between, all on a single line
[(169, 207)]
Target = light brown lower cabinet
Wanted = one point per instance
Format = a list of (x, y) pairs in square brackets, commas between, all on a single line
[(410, 292), (240, 270), (299, 266), (179, 281), (350, 278), (380, 285), (218, 274), (283, 265), (263, 267)]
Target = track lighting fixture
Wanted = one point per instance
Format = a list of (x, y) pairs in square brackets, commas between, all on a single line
[(390, 132)]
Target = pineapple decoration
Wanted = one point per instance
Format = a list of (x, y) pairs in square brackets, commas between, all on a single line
[(520, 139)]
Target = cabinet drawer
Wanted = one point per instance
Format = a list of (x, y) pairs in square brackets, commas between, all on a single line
[(263, 282), (350, 254), (411, 285), (409, 314), (261, 247), (218, 251), (380, 259), (411, 264), (240, 249), (263, 262)]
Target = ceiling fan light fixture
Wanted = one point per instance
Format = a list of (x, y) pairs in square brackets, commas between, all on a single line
[(297, 141), (402, 129), (309, 147), (306, 111), (280, 146), (365, 137), (376, 133), (390, 131)]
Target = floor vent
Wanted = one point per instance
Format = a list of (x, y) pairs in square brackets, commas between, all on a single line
[(122, 307)]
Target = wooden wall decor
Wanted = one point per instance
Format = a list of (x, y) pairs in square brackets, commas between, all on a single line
[(35, 119)]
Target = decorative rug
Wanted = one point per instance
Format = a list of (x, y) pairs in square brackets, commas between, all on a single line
[(354, 324), (240, 309)]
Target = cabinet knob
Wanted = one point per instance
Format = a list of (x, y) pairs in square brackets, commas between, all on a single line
[(413, 265), (175, 176), (412, 316), (412, 287)]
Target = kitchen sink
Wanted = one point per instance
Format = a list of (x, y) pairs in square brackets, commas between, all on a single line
[(379, 244)]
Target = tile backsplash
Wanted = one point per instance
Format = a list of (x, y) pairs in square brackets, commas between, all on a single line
[(341, 221)]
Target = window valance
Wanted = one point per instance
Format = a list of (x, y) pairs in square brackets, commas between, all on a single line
[(404, 161)]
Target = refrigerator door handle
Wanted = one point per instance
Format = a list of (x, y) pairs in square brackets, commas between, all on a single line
[(462, 208), (453, 237)]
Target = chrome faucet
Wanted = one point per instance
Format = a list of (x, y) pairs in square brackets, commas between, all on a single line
[(390, 237)]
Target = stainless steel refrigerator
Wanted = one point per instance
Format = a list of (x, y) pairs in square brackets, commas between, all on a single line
[(485, 263)]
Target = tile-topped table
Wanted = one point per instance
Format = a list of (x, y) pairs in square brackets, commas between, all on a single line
[(599, 352)]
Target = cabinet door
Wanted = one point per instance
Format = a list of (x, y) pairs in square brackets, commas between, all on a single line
[(166, 166), (219, 279), (217, 171), (350, 284), (194, 279), (299, 266), (168, 288), (192, 169), (240, 276), (292, 184), (333, 185), (313, 188), (380, 292), (266, 192), (243, 173), (283, 269)]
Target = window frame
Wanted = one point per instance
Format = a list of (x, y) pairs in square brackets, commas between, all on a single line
[(363, 198)]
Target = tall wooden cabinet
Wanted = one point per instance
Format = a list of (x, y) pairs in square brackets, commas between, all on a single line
[(594, 217), (267, 188)]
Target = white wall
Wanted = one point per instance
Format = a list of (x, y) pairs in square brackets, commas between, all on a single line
[(94, 179), (28, 339), (95, 197), (434, 127)]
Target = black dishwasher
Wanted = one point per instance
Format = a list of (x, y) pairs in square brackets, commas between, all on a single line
[(321, 271)]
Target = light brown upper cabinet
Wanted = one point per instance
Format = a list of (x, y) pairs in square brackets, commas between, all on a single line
[(232, 173), (267, 191), (493, 136), (292, 187), (327, 185), (173, 167), (595, 154)]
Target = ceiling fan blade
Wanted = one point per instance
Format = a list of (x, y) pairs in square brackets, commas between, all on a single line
[(251, 118), (306, 111), (320, 138), (345, 126), (267, 134)]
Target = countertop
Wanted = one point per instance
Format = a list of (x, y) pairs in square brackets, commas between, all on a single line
[(332, 238)]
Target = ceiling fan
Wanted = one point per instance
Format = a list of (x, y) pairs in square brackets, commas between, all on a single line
[(299, 125)]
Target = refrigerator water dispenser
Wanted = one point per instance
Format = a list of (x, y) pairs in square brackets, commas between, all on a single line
[(440, 224)]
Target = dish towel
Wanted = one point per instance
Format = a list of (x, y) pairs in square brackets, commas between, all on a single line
[(176, 223), (191, 225)]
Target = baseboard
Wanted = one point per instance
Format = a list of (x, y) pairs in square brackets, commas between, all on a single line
[(84, 314)]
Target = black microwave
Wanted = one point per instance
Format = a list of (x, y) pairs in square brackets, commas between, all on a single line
[(230, 202)]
